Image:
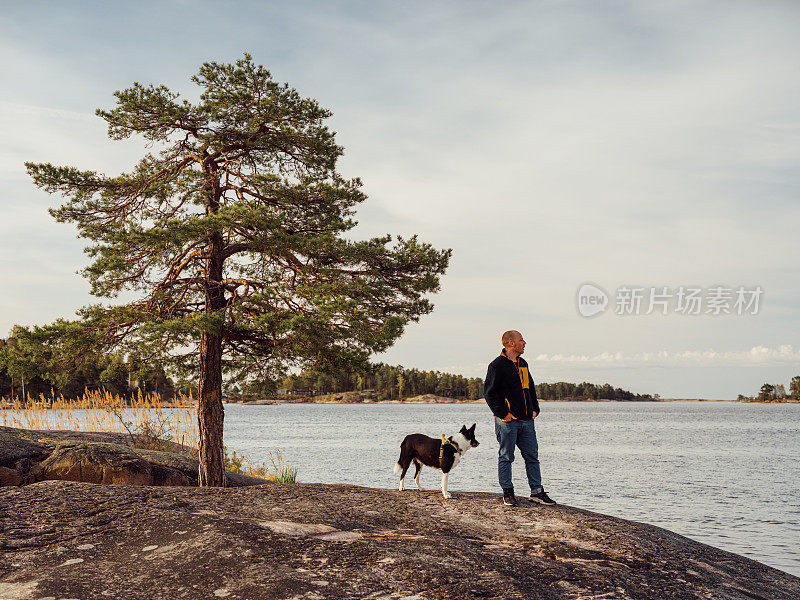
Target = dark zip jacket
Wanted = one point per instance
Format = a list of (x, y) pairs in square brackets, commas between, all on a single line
[(509, 387)]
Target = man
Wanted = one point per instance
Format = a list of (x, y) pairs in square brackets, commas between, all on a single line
[(510, 393)]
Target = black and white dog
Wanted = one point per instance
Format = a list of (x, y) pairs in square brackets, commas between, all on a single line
[(441, 454)]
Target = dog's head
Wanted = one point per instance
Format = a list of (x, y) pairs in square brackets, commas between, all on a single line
[(469, 435)]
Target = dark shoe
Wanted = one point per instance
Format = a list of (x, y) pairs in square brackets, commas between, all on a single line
[(542, 498), (509, 499)]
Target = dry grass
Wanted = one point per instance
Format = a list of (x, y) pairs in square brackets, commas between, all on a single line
[(277, 470), (102, 411), (149, 421)]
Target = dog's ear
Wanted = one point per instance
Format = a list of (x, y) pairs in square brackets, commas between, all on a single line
[(472, 429), (464, 429)]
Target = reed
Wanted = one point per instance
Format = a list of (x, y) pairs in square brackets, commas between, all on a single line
[(275, 470), (280, 471), (147, 419), (103, 411)]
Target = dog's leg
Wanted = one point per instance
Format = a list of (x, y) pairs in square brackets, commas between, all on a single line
[(445, 493), (404, 462), (418, 465), (403, 475)]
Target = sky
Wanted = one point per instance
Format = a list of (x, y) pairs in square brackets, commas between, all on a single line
[(629, 146)]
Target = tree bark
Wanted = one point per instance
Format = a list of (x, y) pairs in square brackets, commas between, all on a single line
[(210, 414)]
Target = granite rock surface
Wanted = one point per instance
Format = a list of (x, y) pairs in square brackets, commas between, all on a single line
[(65, 539), (28, 456)]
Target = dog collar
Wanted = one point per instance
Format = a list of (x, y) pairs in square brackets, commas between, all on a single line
[(446, 442)]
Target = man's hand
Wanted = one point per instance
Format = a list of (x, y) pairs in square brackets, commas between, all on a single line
[(509, 417), (535, 414)]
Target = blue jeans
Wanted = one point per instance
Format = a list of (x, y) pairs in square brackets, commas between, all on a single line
[(523, 435)]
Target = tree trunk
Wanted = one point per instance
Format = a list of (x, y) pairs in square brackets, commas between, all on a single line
[(210, 414)]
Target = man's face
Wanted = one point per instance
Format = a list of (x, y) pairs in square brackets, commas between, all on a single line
[(518, 343)]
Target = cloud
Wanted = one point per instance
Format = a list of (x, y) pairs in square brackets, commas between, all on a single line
[(756, 356), (30, 132), (13, 110), (547, 143)]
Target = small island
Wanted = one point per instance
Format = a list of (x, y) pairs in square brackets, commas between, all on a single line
[(775, 392)]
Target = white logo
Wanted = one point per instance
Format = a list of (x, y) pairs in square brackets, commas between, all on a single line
[(592, 300)]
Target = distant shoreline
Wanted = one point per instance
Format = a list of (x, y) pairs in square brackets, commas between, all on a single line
[(445, 400), (6, 405)]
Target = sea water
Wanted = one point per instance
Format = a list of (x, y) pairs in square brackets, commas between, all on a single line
[(723, 473)]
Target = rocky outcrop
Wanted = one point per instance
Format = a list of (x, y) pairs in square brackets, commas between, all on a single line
[(433, 399), (102, 458), (369, 397), (64, 536), (343, 398), (63, 539), (109, 464)]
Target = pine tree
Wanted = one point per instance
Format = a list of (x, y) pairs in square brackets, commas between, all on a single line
[(230, 234), (767, 393), (794, 387)]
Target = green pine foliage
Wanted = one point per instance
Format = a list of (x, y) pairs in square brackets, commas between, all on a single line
[(34, 363), (232, 233), (234, 225)]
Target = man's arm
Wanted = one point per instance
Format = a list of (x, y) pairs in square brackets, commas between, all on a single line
[(532, 387), (493, 393)]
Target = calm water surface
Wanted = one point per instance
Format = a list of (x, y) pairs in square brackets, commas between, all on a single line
[(723, 473)]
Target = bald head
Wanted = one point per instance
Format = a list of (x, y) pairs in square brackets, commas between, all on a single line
[(513, 344)]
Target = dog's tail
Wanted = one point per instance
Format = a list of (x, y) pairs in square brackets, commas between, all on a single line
[(397, 467)]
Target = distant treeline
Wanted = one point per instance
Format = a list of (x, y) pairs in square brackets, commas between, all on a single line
[(31, 369), (587, 391), (775, 392), (393, 382), (388, 382)]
